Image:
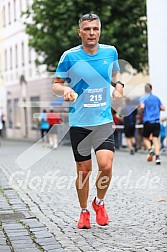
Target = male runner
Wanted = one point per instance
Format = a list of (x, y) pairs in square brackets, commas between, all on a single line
[(88, 70)]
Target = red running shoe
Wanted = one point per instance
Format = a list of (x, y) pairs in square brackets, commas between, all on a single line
[(150, 156), (101, 215), (84, 220)]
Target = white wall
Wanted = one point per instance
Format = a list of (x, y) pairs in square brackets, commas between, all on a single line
[(157, 47), (12, 35)]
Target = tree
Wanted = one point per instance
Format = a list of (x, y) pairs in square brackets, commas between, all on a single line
[(52, 28)]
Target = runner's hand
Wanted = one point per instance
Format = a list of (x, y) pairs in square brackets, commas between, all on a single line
[(117, 95), (70, 95)]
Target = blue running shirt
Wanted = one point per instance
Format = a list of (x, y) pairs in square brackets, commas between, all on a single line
[(90, 77), (152, 108)]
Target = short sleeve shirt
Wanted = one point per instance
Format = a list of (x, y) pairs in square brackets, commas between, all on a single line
[(90, 77), (152, 105)]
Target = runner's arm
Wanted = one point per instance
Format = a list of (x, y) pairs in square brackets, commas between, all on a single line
[(162, 108), (59, 88), (142, 106), (118, 91)]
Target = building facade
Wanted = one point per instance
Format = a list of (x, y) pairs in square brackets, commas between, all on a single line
[(27, 87)]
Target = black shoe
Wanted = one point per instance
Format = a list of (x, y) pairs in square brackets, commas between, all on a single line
[(135, 147), (132, 152), (157, 160)]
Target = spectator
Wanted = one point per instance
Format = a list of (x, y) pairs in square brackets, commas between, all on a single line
[(53, 119), (44, 125), (163, 133)]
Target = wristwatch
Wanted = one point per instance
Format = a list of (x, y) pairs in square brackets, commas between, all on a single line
[(115, 83)]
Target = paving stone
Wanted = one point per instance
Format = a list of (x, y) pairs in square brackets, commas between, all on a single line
[(53, 247), (25, 241), (15, 237), (23, 246), (57, 250), (13, 225), (17, 233), (27, 250), (2, 241), (5, 249), (20, 234), (33, 223), (38, 229), (47, 241), (43, 235)]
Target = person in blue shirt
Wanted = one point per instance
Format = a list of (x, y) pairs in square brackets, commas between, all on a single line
[(151, 106), (44, 125), (163, 133), (88, 71)]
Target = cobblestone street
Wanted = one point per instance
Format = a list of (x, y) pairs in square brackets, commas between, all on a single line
[(39, 208)]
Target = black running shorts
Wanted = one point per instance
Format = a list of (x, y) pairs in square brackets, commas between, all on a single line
[(151, 128), (96, 137), (129, 131)]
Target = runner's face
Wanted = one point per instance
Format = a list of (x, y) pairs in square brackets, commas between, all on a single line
[(89, 32)]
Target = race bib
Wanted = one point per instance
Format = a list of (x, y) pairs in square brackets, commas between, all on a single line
[(94, 97)]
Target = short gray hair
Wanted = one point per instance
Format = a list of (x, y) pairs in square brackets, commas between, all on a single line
[(89, 17)]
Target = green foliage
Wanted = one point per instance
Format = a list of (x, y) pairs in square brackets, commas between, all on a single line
[(52, 27)]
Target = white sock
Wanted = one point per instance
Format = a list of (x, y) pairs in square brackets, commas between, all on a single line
[(99, 201), (84, 210)]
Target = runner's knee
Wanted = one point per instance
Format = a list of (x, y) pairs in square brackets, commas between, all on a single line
[(106, 165)]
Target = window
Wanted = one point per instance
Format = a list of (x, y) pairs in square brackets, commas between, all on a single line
[(4, 17), (22, 51), (9, 113), (11, 59), (34, 109), (14, 7), (29, 55), (16, 56), (17, 113), (6, 60), (21, 7), (9, 13)]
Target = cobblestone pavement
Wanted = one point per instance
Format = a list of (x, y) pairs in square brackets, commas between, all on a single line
[(39, 207)]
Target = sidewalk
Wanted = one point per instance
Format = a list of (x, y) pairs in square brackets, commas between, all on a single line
[(40, 211), (20, 230)]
